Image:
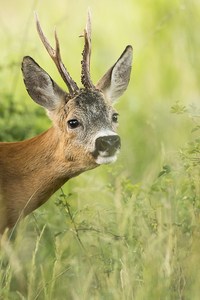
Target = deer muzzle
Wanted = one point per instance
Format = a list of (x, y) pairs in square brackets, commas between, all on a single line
[(106, 148), (108, 144)]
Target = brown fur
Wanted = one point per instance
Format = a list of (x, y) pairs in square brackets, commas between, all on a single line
[(32, 170)]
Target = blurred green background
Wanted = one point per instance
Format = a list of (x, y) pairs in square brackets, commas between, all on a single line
[(158, 114)]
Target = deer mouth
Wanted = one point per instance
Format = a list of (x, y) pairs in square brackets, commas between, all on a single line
[(102, 159)]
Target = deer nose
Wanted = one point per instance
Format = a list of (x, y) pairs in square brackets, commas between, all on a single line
[(109, 144)]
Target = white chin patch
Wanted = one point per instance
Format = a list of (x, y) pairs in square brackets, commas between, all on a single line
[(100, 160)]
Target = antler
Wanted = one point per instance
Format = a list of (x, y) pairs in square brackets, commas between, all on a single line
[(56, 57), (85, 63)]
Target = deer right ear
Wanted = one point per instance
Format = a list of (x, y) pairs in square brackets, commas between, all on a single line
[(40, 86), (115, 81)]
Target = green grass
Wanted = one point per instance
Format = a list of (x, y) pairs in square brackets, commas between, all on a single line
[(129, 230)]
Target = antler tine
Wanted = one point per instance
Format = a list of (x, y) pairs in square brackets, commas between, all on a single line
[(85, 73), (56, 57)]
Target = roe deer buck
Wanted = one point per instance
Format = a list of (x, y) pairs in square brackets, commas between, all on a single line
[(83, 135)]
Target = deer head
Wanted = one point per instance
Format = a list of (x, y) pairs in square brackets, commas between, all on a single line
[(84, 117)]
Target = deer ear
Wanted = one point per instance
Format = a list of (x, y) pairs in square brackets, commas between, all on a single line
[(115, 81), (40, 86)]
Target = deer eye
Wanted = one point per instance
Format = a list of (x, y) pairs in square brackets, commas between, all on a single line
[(72, 124), (115, 117)]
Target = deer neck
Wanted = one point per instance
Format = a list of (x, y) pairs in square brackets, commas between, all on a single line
[(49, 154), (35, 169)]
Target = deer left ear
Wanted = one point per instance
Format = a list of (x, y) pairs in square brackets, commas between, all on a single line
[(40, 86), (115, 81)]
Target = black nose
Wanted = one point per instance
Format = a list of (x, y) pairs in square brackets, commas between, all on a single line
[(109, 144)]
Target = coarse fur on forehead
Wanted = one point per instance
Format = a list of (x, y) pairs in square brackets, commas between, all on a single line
[(91, 105)]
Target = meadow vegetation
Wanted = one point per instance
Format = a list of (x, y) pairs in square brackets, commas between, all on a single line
[(129, 230)]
